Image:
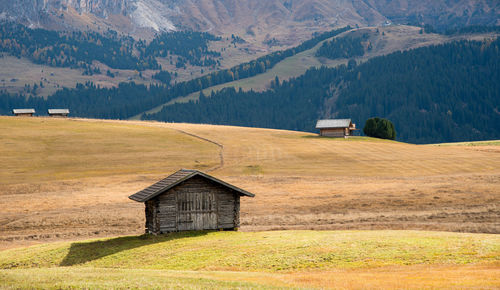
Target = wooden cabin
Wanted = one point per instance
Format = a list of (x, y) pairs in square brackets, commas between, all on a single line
[(23, 112), (62, 113), (190, 200), (336, 127)]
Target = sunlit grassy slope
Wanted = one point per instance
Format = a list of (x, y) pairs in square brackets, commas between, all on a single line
[(214, 256), (41, 149), (68, 179), (38, 149), (277, 152), (71, 173)]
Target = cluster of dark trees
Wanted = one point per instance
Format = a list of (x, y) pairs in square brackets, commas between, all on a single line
[(190, 47), (472, 29), (428, 28), (466, 29), (89, 100), (163, 76), (379, 128), (79, 49), (344, 47), (290, 105), (235, 39), (71, 49), (439, 93)]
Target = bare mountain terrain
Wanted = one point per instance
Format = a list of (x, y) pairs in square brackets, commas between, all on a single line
[(286, 22)]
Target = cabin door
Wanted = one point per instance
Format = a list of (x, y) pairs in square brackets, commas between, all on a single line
[(196, 211)]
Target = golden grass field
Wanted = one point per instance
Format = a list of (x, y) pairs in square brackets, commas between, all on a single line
[(60, 178), (68, 180)]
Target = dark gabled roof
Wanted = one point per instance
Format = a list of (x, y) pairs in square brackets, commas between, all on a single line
[(333, 123), (175, 179)]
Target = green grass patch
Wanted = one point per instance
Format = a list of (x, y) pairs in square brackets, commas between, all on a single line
[(98, 278), (476, 143), (262, 251), (351, 139), (253, 169)]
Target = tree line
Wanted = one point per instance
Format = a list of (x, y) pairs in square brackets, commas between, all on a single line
[(129, 99), (78, 49), (440, 93), (344, 47)]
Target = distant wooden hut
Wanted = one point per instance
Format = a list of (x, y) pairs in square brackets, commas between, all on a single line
[(62, 113), (23, 112), (191, 200), (336, 127)]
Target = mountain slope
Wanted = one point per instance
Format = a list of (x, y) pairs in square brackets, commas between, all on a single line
[(290, 21), (433, 94), (384, 40)]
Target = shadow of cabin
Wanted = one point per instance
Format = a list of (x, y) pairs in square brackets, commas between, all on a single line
[(84, 252)]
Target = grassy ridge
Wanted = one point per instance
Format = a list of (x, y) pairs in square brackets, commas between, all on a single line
[(84, 278), (263, 251), (407, 277), (40, 149), (264, 260)]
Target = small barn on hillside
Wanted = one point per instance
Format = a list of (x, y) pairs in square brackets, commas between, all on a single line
[(336, 127), (191, 200), (23, 112), (58, 113)]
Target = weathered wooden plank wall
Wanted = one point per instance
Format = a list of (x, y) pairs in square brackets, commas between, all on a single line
[(340, 132), (196, 204)]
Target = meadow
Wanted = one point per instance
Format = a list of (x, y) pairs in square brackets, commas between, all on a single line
[(383, 207), (284, 259), (68, 175)]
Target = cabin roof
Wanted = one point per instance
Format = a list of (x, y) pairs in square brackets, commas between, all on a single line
[(58, 111), (175, 179), (333, 123), (23, 111)]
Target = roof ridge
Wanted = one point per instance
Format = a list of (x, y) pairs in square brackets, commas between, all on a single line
[(176, 178)]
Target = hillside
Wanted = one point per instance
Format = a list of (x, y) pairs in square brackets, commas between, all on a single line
[(329, 98), (259, 27), (263, 260), (289, 22), (384, 40), (73, 172), (440, 93)]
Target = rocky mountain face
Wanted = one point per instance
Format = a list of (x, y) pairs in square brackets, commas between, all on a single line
[(284, 20), (31, 9)]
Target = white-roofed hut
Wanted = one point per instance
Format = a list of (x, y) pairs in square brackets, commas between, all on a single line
[(23, 112), (62, 113)]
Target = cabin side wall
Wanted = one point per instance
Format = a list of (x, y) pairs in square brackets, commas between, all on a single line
[(228, 207), (333, 132), (151, 216)]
